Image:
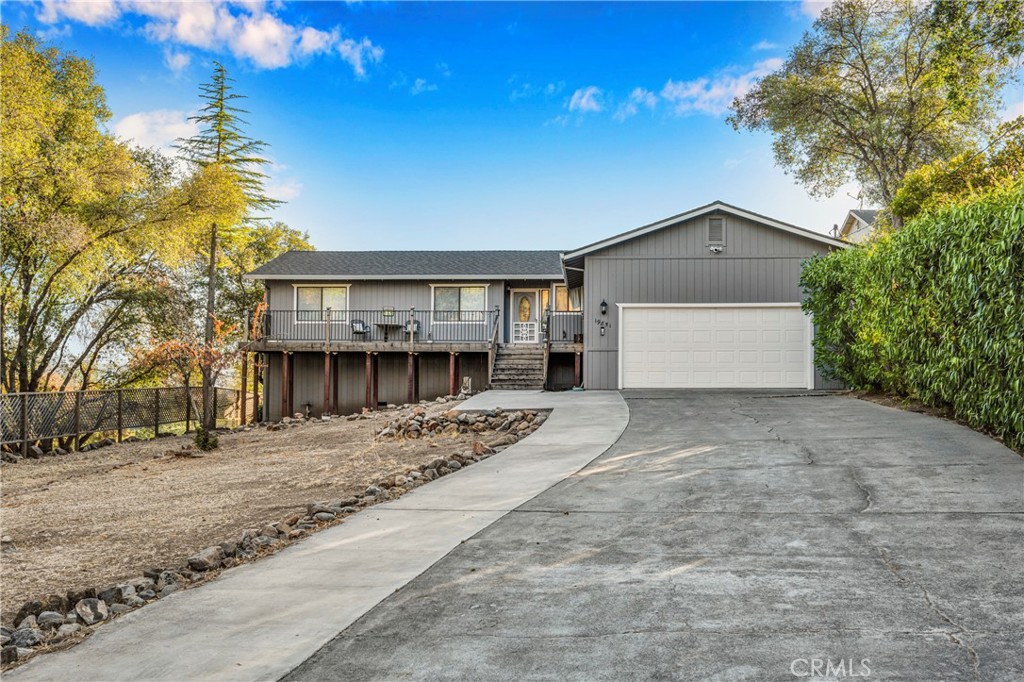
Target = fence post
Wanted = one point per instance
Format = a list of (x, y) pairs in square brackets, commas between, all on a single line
[(24, 425), (120, 412), (77, 427), (188, 409), (245, 387), (156, 412), (412, 325)]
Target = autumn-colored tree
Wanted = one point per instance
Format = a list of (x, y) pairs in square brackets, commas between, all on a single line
[(81, 227)]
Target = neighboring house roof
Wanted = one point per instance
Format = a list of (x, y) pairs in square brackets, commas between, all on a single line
[(858, 220), (573, 260), (449, 265)]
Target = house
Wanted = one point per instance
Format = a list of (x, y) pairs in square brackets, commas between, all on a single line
[(343, 330), (706, 298), (858, 225)]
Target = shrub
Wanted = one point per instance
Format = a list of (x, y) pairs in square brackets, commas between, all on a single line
[(933, 312), (205, 440)]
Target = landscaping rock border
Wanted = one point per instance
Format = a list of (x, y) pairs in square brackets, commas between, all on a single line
[(59, 620)]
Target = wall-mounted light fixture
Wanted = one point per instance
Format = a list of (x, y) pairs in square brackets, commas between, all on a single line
[(604, 307)]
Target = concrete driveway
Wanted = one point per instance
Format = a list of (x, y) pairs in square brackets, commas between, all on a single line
[(730, 536)]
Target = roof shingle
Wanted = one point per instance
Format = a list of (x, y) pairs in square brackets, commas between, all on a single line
[(410, 265)]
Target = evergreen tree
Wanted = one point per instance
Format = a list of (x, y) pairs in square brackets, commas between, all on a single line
[(221, 145)]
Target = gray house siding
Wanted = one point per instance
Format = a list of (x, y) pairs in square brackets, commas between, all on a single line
[(376, 295), (760, 264)]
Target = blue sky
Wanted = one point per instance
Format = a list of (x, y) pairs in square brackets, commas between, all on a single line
[(449, 125)]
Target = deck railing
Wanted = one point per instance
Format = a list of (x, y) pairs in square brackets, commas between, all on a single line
[(565, 327), (408, 325)]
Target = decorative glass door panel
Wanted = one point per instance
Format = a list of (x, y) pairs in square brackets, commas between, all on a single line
[(524, 317)]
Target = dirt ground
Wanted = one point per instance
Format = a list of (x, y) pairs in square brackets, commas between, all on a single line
[(96, 518)]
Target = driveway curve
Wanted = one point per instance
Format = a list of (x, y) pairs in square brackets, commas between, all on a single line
[(729, 536)]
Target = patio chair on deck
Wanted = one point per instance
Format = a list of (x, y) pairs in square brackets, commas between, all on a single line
[(412, 327), (360, 328)]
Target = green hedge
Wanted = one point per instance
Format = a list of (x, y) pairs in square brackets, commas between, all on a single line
[(933, 312)]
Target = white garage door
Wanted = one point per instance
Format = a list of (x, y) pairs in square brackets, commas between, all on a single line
[(714, 347)]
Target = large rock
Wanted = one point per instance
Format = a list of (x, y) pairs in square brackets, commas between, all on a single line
[(75, 596), (91, 611), (117, 594), (67, 630), (168, 578), (48, 620), (29, 608), (26, 637), (208, 559)]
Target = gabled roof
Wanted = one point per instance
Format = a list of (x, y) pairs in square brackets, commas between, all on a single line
[(858, 219), (867, 216), (448, 265), (720, 206), (572, 262)]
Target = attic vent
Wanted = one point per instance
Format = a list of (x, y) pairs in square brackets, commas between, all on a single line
[(716, 230)]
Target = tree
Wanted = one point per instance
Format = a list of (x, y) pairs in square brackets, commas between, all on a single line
[(944, 182), (249, 249), (880, 87), (81, 224), (222, 144)]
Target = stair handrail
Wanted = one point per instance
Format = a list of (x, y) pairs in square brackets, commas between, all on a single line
[(492, 346)]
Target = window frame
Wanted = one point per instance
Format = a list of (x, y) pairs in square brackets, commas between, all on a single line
[(434, 310), (568, 300), (334, 319)]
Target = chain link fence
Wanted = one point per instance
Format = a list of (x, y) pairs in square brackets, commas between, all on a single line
[(75, 416)]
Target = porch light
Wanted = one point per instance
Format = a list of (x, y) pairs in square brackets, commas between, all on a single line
[(604, 307)]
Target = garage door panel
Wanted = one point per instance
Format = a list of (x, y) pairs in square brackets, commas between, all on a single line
[(711, 347)]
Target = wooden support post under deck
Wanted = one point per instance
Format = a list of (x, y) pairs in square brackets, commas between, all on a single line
[(285, 378), (376, 380), (579, 371), (412, 380), (334, 402), (256, 389), (327, 383), (245, 383), (453, 374)]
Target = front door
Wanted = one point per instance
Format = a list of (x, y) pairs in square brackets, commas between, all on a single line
[(525, 316)]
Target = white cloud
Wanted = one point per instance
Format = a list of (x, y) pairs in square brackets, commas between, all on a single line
[(443, 69), (92, 13), (814, 8), (176, 60), (160, 128), (314, 41), (283, 190), (266, 40), (639, 97), (359, 53), (586, 100), (420, 85), (714, 95), (251, 30), (764, 45)]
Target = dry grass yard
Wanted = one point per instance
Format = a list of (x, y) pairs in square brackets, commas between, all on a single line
[(100, 517)]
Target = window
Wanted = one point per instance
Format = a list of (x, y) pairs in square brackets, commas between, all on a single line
[(716, 230), (459, 304), (565, 303), (311, 302)]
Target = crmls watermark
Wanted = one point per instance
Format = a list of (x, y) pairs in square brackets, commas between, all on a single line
[(826, 667)]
